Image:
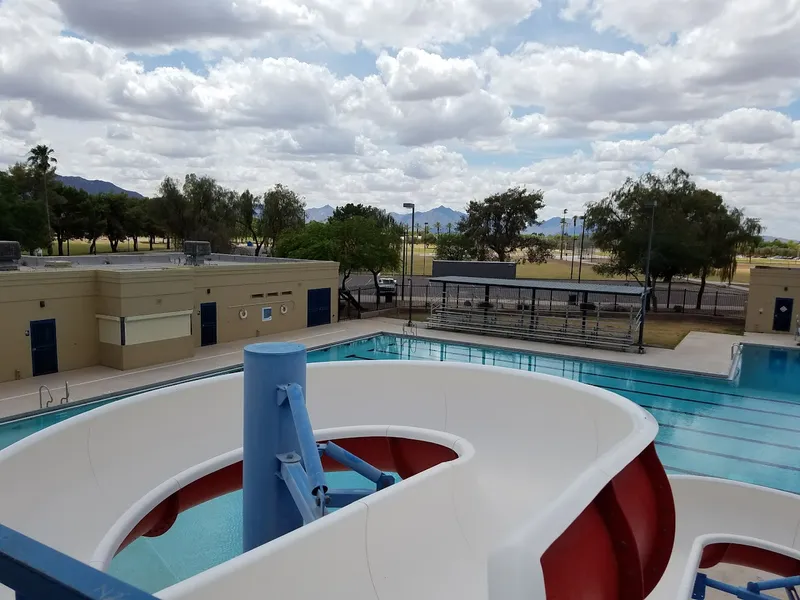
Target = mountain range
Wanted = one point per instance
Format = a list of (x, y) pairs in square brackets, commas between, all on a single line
[(95, 186), (441, 214)]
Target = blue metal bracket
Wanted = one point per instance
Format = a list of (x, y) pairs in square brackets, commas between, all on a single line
[(341, 498), (752, 592), (37, 572), (351, 461), (311, 507), (305, 435)]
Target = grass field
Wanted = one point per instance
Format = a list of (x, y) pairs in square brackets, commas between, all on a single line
[(560, 269), (669, 333), (81, 247)]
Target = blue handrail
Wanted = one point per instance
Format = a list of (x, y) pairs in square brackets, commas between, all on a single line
[(38, 572)]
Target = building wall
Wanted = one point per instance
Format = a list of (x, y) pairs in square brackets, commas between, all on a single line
[(67, 297), (128, 319), (767, 284), (240, 292)]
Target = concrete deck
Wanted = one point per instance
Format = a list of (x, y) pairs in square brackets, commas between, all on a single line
[(703, 353)]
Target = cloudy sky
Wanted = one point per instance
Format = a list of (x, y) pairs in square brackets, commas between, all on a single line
[(433, 101)]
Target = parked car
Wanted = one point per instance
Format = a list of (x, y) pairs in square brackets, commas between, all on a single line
[(387, 286)]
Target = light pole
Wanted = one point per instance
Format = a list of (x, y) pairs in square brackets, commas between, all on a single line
[(412, 206), (572, 262), (646, 292), (403, 275), (580, 260), (563, 231), (424, 247)]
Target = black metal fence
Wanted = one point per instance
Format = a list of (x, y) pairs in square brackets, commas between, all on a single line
[(714, 302)]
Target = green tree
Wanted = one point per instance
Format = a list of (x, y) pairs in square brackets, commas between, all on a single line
[(93, 213), (199, 210), (620, 225), (455, 246), (116, 212), (41, 158), (498, 222), (66, 205), (538, 248), (22, 214), (723, 232), (368, 239), (283, 211), (249, 216)]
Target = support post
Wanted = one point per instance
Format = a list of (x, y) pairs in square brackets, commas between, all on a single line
[(269, 510)]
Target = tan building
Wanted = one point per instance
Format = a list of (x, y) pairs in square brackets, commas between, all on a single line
[(773, 304), (125, 316)]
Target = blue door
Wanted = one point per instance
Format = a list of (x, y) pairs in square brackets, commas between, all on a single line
[(319, 307), (782, 317), (44, 347), (208, 323)]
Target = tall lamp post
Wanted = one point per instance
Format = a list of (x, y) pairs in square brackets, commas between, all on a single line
[(572, 261), (563, 232), (424, 247), (583, 231), (412, 206), (646, 294), (403, 275)]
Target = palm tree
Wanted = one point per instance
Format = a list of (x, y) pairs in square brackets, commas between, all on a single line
[(41, 159), (438, 229)]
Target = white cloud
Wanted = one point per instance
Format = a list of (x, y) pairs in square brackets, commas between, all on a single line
[(436, 122), (419, 75)]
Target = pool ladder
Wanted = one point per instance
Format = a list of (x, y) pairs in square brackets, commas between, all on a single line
[(64, 400)]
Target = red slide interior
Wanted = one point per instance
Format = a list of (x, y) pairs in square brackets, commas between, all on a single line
[(620, 545), (395, 455)]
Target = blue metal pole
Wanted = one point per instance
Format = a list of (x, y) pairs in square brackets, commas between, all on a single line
[(269, 510)]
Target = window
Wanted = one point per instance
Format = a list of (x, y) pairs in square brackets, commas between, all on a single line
[(289, 293), (266, 313), (256, 295), (272, 294)]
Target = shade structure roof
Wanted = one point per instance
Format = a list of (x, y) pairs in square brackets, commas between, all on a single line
[(620, 289)]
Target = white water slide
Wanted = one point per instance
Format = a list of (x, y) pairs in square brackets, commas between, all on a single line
[(547, 478)]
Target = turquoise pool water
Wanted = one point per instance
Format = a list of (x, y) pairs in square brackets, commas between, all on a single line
[(747, 430)]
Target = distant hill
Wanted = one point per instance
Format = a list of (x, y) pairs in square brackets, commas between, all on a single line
[(551, 226), (95, 186), (440, 214), (323, 213)]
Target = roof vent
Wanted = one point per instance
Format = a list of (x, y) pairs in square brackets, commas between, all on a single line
[(10, 253), (196, 252)]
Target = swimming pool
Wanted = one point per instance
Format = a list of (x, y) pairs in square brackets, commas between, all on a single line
[(747, 429)]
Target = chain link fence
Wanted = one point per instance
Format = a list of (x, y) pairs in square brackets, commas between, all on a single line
[(714, 302)]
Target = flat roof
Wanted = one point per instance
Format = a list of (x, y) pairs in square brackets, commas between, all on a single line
[(544, 284)]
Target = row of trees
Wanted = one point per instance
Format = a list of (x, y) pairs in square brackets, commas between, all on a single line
[(35, 209)]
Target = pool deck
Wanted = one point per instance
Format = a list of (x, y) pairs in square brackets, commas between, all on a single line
[(703, 353)]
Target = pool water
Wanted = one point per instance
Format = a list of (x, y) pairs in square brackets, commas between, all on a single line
[(747, 429)]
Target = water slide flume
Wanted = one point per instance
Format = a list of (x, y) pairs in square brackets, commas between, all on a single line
[(550, 488)]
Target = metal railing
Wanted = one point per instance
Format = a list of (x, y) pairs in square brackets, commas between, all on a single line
[(570, 325), (714, 303), (43, 404)]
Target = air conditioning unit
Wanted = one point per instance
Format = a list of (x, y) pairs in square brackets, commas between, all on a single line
[(196, 252), (10, 253)]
